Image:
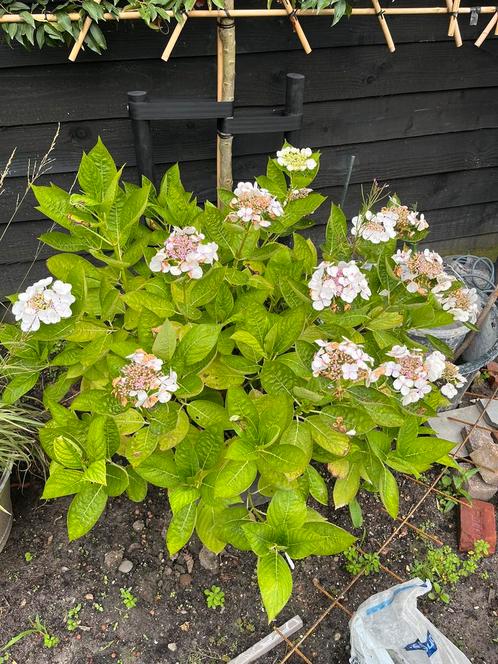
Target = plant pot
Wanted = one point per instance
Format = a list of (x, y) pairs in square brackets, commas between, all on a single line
[(452, 335), (5, 504)]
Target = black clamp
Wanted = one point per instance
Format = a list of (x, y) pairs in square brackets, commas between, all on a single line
[(474, 15)]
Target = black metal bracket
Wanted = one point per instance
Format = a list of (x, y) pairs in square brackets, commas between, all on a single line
[(142, 112)]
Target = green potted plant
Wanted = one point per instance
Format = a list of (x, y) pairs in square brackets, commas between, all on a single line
[(197, 352), (18, 445)]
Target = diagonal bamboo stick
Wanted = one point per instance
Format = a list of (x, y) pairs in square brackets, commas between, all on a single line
[(480, 40), (383, 24), (297, 26), (174, 38), (457, 36), (81, 37), (454, 18)]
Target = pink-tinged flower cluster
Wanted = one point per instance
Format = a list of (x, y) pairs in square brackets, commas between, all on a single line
[(343, 280), (254, 205), (462, 303), (46, 301), (407, 222), (297, 194), (142, 381), (374, 228), (343, 360), (416, 373), (184, 252), (422, 272), (296, 159)]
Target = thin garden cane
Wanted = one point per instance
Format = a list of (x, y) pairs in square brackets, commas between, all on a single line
[(494, 21), (457, 36), (297, 26), (174, 37), (454, 18), (383, 24), (81, 37), (226, 92)]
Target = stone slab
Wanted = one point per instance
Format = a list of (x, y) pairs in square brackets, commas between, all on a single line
[(491, 413), (477, 522), (486, 459), (476, 487)]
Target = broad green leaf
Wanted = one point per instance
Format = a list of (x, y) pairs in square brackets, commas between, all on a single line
[(85, 510), (287, 510), (128, 422), (407, 435), (284, 458), (260, 536), (389, 492), (326, 539), (204, 290), (197, 343), (209, 447), (165, 342), (244, 338), (140, 445), (298, 433), (234, 478), (62, 482), (242, 412), (159, 469), (117, 480), (275, 583), (336, 235), (96, 472), (137, 486), (180, 496), (318, 487), (18, 386), (326, 436), (346, 488), (67, 453), (96, 446), (208, 414), (277, 378), (386, 320), (205, 528), (181, 528), (230, 524)]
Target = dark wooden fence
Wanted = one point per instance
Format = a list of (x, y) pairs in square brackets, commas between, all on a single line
[(424, 119)]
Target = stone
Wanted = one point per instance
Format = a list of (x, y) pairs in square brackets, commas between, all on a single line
[(112, 559), (490, 408), (477, 522), (138, 526), (134, 546), (486, 459), (173, 647), (126, 566), (209, 560), (476, 487), (477, 438), (185, 580)]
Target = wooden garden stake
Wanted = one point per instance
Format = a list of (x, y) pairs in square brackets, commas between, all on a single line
[(383, 24), (457, 36), (174, 38), (454, 18), (226, 92), (487, 30), (297, 26), (81, 37)]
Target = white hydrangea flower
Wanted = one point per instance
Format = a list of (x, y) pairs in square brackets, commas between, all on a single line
[(295, 159), (343, 280), (374, 228), (46, 301), (184, 252), (463, 304), (342, 360), (251, 204), (407, 222), (142, 382), (422, 271)]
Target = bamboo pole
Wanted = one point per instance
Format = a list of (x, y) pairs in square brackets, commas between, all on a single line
[(457, 36), (133, 15), (226, 91), (383, 24), (454, 18), (174, 38), (81, 37), (480, 40), (297, 26)]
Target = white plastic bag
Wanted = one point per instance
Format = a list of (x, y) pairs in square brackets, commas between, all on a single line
[(389, 629)]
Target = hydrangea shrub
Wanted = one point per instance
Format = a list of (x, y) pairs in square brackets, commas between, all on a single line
[(199, 353)]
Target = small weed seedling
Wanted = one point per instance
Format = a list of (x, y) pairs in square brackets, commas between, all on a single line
[(28, 556), (98, 607), (214, 597), (38, 628), (356, 562), (72, 620), (127, 597), (444, 568), (453, 484)]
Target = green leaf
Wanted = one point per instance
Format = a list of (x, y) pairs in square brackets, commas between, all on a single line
[(205, 289), (260, 536), (140, 446), (327, 437), (318, 487), (165, 342), (336, 235), (326, 539), (197, 343), (385, 321), (117, 479), (275, 583), (243, 412), (346, 488), (407, 434), (181, 528), (208, 414), (96, 472), (96, 444), (234, 478), (182, 495), (157, 304), (277, 378), (206, 528), (284, 458), (159, 469), (67, 453), (62, 482), (85, 510), (243, 338), (389, 492), (137, 487), (19, 386), (230, 524), (287, 510)]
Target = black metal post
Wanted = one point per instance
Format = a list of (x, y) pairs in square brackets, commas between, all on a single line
[(294, 102), (142, 139)]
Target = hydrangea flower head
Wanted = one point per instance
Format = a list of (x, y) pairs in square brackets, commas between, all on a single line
[(422, 271), (254, 205), (463, 304), (407, 222), (343, 360), (343, 280), (142, 382), (374, 228), (46, 301), (296, 159), (184, 251)]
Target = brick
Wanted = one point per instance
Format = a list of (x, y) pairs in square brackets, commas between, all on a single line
[(477, 522)]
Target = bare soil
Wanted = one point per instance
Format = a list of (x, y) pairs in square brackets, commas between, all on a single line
[(171, 622)]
